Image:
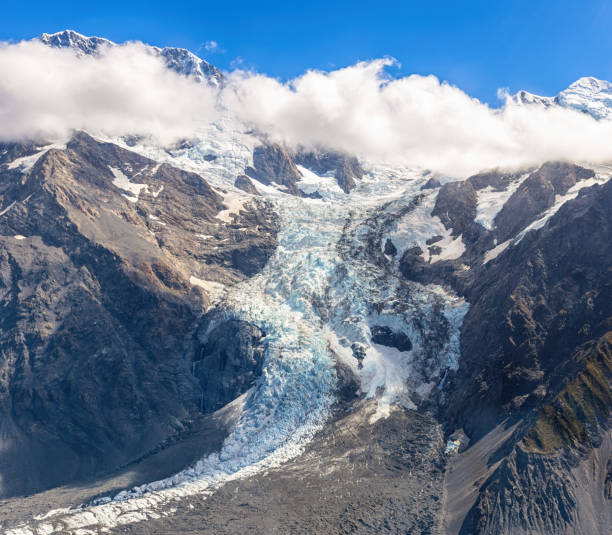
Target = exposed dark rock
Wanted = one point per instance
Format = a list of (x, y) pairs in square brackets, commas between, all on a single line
[(456, 207), (535, 195), (244, 183), (346, 168), (273, 163), (563, 175), (538, 303), (432, 183), (348, 386), (387, 337), (412, 264), (359, 352), (12, 151), (312, 195), (229, 362), (434, 239), (497, 179), (434, 250), (390, 249)]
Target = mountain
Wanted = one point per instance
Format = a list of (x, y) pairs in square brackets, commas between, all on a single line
[(177, 59), (109, 260), (588, 95), (234, 336)]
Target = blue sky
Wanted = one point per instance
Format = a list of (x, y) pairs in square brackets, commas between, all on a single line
[(540, 46)]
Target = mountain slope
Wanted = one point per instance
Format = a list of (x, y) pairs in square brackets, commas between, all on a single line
[(103, 285)]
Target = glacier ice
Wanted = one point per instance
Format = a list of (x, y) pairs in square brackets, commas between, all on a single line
[(324, 288)]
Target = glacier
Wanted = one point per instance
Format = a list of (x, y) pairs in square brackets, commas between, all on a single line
[(318, 297)]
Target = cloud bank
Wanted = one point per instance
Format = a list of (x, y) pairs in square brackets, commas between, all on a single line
[(48, 92), (415, 120)]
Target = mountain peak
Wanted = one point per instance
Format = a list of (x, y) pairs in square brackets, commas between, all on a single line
[(179, 60), (75, 40), (588, 95)]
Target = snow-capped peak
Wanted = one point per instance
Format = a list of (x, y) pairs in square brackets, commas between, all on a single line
[(589, 95), (524, 97), (74, 40), (178, 59)]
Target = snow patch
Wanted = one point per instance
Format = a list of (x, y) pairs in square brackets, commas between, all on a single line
[(418, 225), (156, 219), (496, 251), (234, 202), (325, 185), (560, 200), (123, 182), (156, 193), (211, 287), (25, 163), (8, 208), (490, 202)]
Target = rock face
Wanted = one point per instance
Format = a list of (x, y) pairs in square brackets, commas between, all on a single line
[(544, 363), (535, 347), (535, 195), (387, 337), (105, 263), (273, 163), (551, 296), (346, 169), (244, 183), (229, 361), (456, 207)]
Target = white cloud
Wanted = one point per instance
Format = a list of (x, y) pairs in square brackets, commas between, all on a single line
[(48, 92), (415, 120), (212, 47)]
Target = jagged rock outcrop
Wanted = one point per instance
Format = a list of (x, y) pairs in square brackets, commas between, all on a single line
[(273, 163), (432, 183), (390, 338), (244, 183)]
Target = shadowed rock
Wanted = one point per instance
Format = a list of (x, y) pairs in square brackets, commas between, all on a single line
[(229, 362), (244, 183)]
